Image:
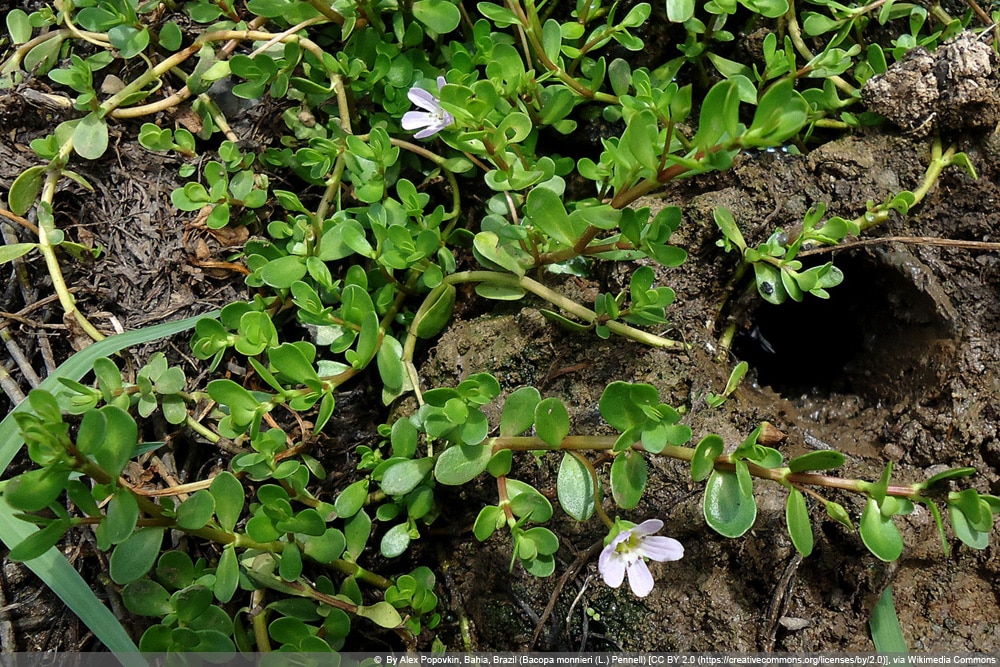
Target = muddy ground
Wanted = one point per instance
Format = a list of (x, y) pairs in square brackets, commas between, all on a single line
[(900, 365)]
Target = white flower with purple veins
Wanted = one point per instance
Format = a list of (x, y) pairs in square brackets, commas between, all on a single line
[(627, 552), (432, 119)]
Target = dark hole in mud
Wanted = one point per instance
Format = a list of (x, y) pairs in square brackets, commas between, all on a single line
[(881, 335)]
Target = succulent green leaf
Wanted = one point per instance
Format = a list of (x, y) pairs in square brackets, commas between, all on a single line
[(283, 272), (357, 529), (134, 557), (195, 512), (540, 566), (395, 541), (229, 498), (969, 531), (500, 463), (679, 11), (381, 614), (403, 477), (146, 597), (953, 473), (290, 563), (289, 360), (227, 575), (622, 404), (887, 634), (440, 16), (90, 138), (352, 499), (492, 255), (432, 317), (527, 502), (769, 283), (719, 120), (879, 533), (18, 26), (462, 463), (37, 543), (546, 543), (121, 437), (819, 460), (25, 189), (575, 488), (34, 490), (564, 322), (729, 510), (490, 518), (705, 453), (629, 474), (519, 411), (12, 251), (325, 548), (797, 518), (551, 421), (121, 517)]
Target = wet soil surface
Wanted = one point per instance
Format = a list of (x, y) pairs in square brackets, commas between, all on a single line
[(900, 365)]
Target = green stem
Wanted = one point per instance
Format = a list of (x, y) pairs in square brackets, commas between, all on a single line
[(532, 28), (795, 32), (939, 160), (325, 9), (45, 229), (575, 443), (538, 289), (258, 614), (202, 430)]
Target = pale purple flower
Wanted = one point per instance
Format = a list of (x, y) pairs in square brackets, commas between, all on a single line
[(433, 119), (625, 554)]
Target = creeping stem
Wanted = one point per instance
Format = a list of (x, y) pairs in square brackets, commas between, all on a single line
[(510, 280), (577, 443), (45, 229)]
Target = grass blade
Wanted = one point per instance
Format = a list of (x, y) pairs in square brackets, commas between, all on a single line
[(884, 624), (52, 567)]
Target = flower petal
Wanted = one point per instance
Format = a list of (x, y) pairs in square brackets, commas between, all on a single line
[(648, 527), (640, 579), (429, 131), (413, 120), (611, 567), (423, 99), (660, 548), (441, 82), (618, 539)]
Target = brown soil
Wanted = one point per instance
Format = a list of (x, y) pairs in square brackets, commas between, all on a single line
[(899, 365)]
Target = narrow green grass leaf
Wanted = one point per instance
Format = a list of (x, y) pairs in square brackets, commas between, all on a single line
[(52, 567), (887, 634)]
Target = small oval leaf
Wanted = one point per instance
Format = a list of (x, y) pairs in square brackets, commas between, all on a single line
[(703, 461), (797, 518), (404, 476), (879, 533), (728, 511), (575, 488), (821, 460), (628, 479), (519, 411), (462, 463), (551, 421), (134, 557)]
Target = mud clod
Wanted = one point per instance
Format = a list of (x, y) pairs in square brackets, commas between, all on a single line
[(956, 87)]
